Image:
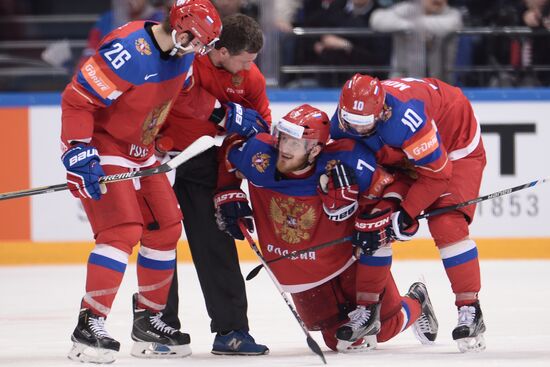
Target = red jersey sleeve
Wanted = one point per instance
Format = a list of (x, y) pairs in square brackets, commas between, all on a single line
[(257, 95), (93, 87)]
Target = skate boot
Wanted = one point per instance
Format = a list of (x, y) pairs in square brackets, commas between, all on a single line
[(237, 342), (364, 322), (468, 334), (91, 342), (425, 327), (154, 338)]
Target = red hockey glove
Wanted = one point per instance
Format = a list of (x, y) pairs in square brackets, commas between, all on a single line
[(403, 226), (339, 192), (83, 171), (372, 231), (231, 205)]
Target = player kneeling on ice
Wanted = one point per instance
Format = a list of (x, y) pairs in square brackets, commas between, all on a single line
[(112, 110), (306, 191)]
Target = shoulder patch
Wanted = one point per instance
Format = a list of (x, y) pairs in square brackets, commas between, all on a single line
[(260, 161), (422, 147), (143, 46), (98, 81)]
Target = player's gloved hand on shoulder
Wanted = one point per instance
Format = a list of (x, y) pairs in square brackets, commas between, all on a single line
[(372, 231), (83, 171), (231, 206), (339, 192), (244, 121), (404, 227)]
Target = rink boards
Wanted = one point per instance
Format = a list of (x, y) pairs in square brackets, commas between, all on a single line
[(53, 228)]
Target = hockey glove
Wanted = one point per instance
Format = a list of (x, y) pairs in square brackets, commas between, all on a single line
[(403, 226), (231, 206), (372, 231), (339, 192), (244, 121), (83, 171)]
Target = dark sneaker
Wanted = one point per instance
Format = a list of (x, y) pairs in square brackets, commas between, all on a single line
[(426, 326), (468, 334), (237, 342), (91, 342)]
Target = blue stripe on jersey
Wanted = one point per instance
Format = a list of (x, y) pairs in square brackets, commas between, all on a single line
[(155, 264), (461, 258), (257, 160), (106, 262), (375, 260), (138, 66), (84, 83)]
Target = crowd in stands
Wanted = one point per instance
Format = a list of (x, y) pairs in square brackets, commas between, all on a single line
[(409, 37)]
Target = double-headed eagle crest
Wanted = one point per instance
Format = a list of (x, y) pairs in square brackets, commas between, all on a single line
[(292, 220)]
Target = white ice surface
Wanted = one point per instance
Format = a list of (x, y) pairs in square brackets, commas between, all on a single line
[(39, 306)]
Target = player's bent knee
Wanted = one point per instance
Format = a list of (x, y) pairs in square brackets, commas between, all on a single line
[(164, 238), (123, 236), (448, 228)]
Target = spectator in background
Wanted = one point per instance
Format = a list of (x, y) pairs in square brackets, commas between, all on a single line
[(332, 49), (8, 30), (231, 7), (533, 50), (421, 47), (122, 12)]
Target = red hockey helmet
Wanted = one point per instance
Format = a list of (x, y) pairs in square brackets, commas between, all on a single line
[(198, 17), (305, 122), (361, 104)]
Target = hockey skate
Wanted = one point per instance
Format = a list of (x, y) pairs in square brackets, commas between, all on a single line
[(468, 334), (425, 327), (364, 322), (91, 342), (238, 342), (154, 338)]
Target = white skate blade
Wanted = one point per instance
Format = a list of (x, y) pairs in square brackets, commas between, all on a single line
[(345, 346), (475, 344), (86, 354), (420, 336), (156, 350)]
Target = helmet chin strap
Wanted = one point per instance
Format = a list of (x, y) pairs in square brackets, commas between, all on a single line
[(178, 46)]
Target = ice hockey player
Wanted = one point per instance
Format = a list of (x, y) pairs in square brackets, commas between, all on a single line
[(307, 192), (429, 127), (112, 110)]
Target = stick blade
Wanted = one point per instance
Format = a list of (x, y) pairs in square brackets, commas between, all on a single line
[(315, 348), (197, 147), (254, 272)]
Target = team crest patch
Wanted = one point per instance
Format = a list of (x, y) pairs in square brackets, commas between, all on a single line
[(237, 80), (154, 121), (260, 161), (292, 220), (143, 47)]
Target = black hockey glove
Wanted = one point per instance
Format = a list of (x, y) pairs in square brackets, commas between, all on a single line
[(231, 206), (372, 231), (403, 226)]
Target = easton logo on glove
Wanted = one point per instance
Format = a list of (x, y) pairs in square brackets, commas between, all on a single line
[(362, 226), (229, 196)]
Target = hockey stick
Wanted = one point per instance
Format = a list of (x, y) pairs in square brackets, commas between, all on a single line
[(198, 146), (293, 254), (438, 211), (312, 344)]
